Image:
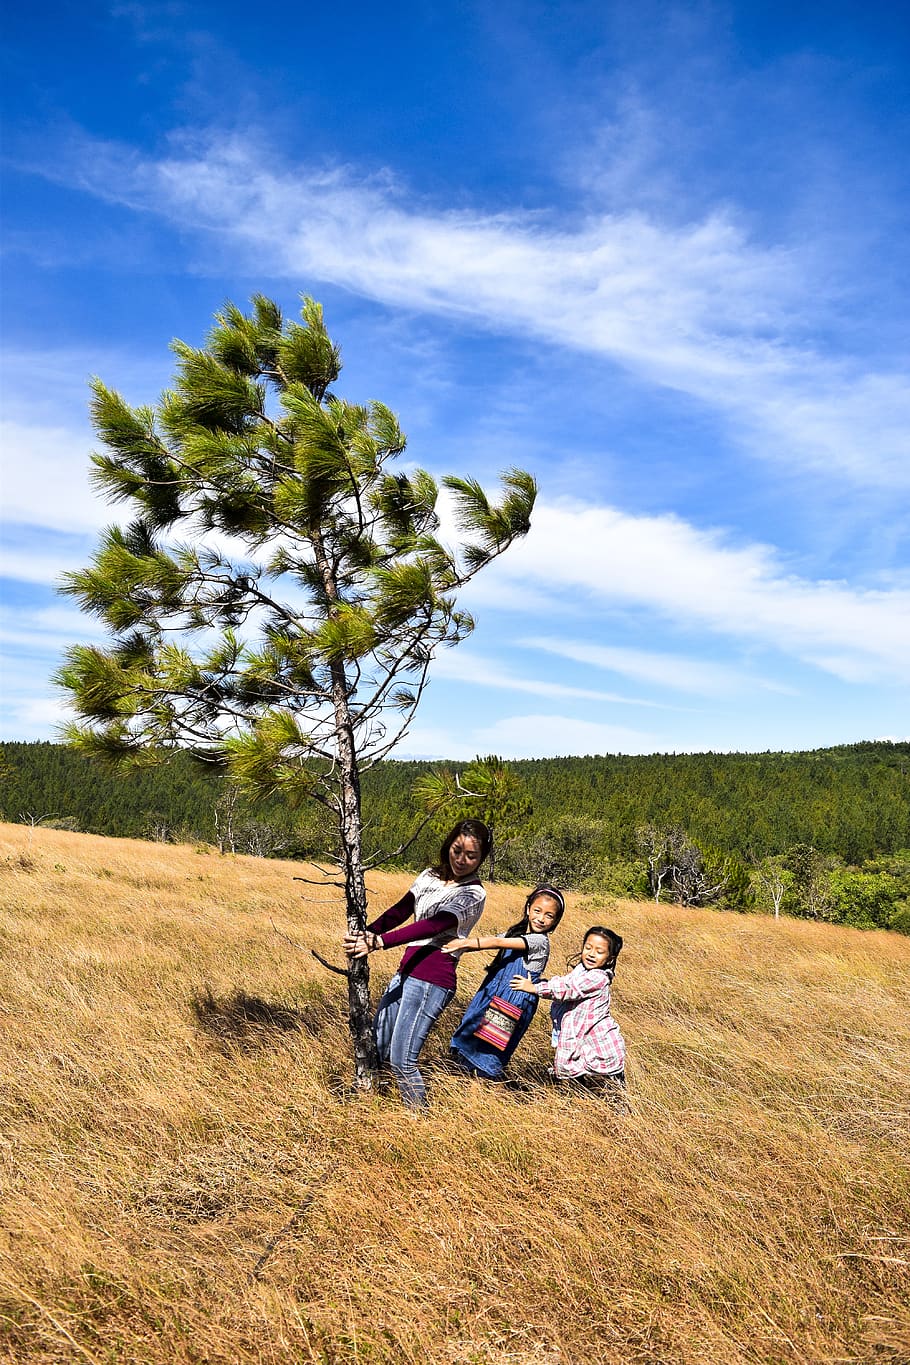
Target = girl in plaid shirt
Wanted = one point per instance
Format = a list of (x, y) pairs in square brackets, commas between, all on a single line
[(589, 1045)]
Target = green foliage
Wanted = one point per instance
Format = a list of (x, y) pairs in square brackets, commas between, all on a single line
[(581, 828), (732, 875), (809, 889), (207, 650), (568, 853), (489, 790), (876, 895), (291, 647), (900, 918), (867, 900), (172, 798)]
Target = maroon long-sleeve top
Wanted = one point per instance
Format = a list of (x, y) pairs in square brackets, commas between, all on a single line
[(425, 961)]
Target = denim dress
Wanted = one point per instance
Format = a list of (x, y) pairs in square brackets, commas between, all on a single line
[(475, 1054)]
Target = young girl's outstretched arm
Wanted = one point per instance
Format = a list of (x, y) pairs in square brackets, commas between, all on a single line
[(479, 942), (569, 987)]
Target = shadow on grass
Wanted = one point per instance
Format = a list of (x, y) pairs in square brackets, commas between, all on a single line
[(248, 1023)]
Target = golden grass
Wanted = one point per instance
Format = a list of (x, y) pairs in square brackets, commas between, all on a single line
[(191, 1186)]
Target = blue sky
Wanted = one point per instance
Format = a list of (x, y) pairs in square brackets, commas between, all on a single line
[(655, 253)]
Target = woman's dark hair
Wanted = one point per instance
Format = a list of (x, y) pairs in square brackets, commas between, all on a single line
[(472, 829), (612, 938), (522, 926)]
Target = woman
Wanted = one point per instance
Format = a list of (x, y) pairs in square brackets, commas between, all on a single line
[(446, 901)]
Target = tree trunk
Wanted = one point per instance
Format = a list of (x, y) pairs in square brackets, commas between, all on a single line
[(355, 887), (350, 829), (360, 1008)]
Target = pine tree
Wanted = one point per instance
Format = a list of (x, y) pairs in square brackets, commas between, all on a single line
[(488, 790), (287, 634)]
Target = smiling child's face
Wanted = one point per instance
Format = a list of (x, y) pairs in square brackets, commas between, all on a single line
[(596, 952), (543, 914)]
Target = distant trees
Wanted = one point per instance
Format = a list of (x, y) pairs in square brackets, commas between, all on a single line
[(488, 789), (653, 844), (752, 806), (286, 636), (567, 851), (808, 888), (239, 828), (581, 829), (681, 870), (678, 868), (866, 898), (803, 882)]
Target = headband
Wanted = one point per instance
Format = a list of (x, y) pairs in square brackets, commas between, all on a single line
[(546, 890)]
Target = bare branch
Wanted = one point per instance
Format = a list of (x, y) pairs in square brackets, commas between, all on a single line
[(339, 971)]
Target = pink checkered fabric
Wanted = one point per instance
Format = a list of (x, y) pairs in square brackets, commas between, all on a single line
[(587, 1038)]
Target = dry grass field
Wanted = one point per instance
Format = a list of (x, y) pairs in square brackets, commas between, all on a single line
[(183, 1179)]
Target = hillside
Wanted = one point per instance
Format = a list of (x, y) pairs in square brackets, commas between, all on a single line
[(852, 801), (183, 1180)]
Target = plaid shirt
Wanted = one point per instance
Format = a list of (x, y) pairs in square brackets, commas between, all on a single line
[(586, 1036)]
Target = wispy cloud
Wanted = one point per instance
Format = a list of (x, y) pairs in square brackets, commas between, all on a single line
[(23, 565), (700, 580), (520, 737), (46, 438), (28, 714), (675, 671), (468, 667), (45, 477), (32, 640), (47, 630), (698, 308)]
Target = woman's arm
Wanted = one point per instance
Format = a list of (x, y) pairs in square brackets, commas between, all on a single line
[(479, 942), (395, 915), (441, 923), (358, 945)]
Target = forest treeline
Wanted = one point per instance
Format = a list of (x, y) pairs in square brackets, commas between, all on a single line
[(824, 832)]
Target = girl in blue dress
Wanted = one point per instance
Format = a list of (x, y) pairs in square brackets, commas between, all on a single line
[(497, 1018)]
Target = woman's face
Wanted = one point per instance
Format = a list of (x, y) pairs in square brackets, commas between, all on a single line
[(596, 951), (465, 855), (543, 914)]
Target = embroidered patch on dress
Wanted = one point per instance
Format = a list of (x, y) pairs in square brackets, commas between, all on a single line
[(498, 1023)]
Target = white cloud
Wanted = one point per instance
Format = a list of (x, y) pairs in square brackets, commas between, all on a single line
[(46, 438), (703, 677), (465, 666), (48, 630), (696, 580), (41, 713), (520, 737), (31, 705), (697, 308), (24, 565), (526, 737), (45, 478)]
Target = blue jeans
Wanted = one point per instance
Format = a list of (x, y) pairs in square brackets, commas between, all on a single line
[(404, 1017)]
